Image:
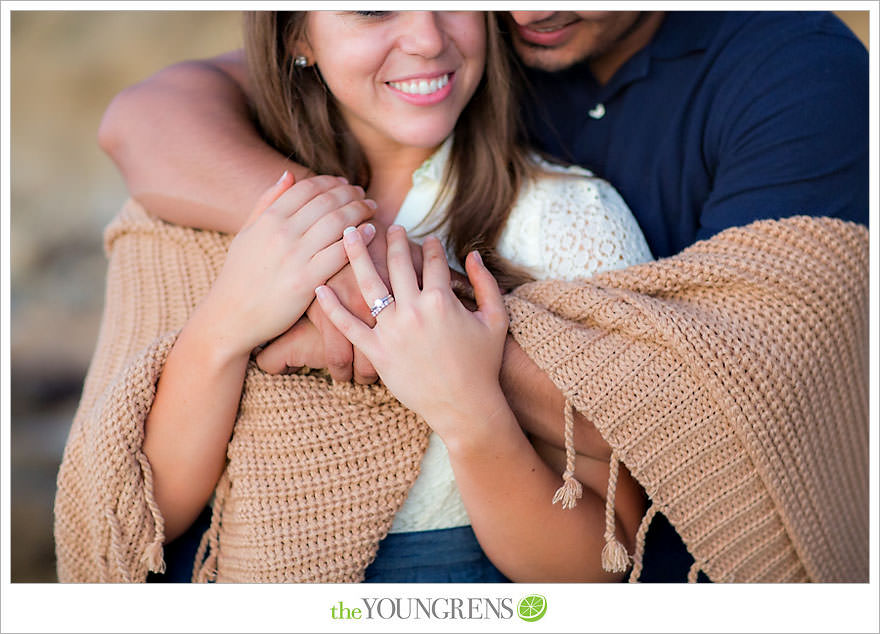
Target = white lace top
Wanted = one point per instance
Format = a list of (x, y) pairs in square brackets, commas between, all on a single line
[(566, 224)]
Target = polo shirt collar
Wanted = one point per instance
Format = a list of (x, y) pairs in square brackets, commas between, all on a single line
[(680, 33), (684, 32)]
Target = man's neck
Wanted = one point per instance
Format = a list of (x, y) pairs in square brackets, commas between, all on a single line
[(607, 64)]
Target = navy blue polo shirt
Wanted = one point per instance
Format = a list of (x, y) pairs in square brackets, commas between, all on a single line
[(722, 119)]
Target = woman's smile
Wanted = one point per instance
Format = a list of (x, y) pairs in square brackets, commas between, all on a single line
[(423, 90)]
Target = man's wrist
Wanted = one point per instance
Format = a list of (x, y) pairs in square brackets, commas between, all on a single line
[(530, 392)]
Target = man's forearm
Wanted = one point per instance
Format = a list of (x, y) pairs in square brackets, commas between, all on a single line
[(538, 404), (186, 147)]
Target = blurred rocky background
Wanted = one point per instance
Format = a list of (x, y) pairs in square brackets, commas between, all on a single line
[(65, 69)]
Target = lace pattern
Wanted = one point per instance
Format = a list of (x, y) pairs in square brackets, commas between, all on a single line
[(566, 224)]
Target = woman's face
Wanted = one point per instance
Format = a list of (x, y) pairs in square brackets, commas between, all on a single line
[(401, 78)]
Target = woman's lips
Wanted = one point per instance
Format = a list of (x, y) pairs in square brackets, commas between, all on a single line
[(423, 91)]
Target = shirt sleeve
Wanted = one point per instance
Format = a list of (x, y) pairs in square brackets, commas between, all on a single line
[(793, 137), (585, 228)]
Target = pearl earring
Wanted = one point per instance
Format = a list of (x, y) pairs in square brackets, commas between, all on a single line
[(300, 61)]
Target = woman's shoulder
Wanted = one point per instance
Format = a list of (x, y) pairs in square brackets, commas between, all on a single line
[(555, 188), (568, 223), (548, 168)]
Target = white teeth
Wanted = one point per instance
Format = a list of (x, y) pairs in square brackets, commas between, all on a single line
[(421, 86)]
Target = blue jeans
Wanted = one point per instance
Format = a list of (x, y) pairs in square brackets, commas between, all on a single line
[(450, 555)]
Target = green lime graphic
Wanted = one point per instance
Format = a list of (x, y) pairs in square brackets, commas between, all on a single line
[(532, 607)]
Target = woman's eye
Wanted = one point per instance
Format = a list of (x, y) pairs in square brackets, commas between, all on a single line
[(373, 14)]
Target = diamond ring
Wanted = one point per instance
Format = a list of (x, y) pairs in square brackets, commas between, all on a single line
[(381, 304)]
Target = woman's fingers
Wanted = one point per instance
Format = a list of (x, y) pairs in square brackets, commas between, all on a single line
[(270, 196), (486, 292), (329, 260), (401, 271), (435, 268), (327, 202), (303, 192), (329, 228), (356, 331), (371, 285)]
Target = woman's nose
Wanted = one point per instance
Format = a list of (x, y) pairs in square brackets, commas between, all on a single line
[(423, 34), (529, 17)]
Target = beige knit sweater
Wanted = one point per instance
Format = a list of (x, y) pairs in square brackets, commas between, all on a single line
[(731, 380)]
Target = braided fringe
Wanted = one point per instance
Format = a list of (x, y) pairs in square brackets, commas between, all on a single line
[(153, 554), (571, 490), (693, 572), (614, 557), (638, 556), (116, 545), (205, 569)]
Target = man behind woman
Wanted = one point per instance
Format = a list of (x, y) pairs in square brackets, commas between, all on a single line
[(374, 98)]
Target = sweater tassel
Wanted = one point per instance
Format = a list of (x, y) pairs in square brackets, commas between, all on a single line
[(639, 555), (208, 553), (694, 572), (153, 555), (571, 490), (614, 555)]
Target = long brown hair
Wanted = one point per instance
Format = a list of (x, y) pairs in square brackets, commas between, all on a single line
[(296, 113)]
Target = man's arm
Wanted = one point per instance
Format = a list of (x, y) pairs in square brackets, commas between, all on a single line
[(162, 133), (793, 134)]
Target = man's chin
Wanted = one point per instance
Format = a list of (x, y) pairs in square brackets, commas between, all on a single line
[(547, 59)]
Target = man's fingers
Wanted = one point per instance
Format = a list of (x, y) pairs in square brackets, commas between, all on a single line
[(486, 292), (435, 270), (280, 356), (364, 372), (270, 196), (400, 265), (338, 352)]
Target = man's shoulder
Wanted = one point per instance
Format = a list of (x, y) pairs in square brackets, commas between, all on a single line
[(757, 34)]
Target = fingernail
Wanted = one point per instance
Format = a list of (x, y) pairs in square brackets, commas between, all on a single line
[(477, 257), (321, 291), (360, 189), (369, 231), (394, 228), (283, 176), (370, 203), (349, 234), (342, 179)]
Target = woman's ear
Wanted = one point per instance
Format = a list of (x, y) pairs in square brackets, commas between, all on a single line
[(301, 53)]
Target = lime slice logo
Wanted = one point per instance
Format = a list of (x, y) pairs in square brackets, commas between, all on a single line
[(532, 607)]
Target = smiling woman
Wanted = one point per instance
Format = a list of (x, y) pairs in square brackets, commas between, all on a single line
[(382, 72), (410, 117)]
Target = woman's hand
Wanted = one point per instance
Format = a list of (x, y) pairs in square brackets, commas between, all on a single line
[(289, 244), (438, 358)]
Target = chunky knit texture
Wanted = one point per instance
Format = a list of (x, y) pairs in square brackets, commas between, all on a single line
[(315, 471), (731, 380)]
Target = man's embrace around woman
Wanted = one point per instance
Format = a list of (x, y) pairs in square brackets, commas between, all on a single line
[(729, 379)]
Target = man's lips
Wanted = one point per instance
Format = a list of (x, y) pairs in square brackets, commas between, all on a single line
[(546, 35)]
